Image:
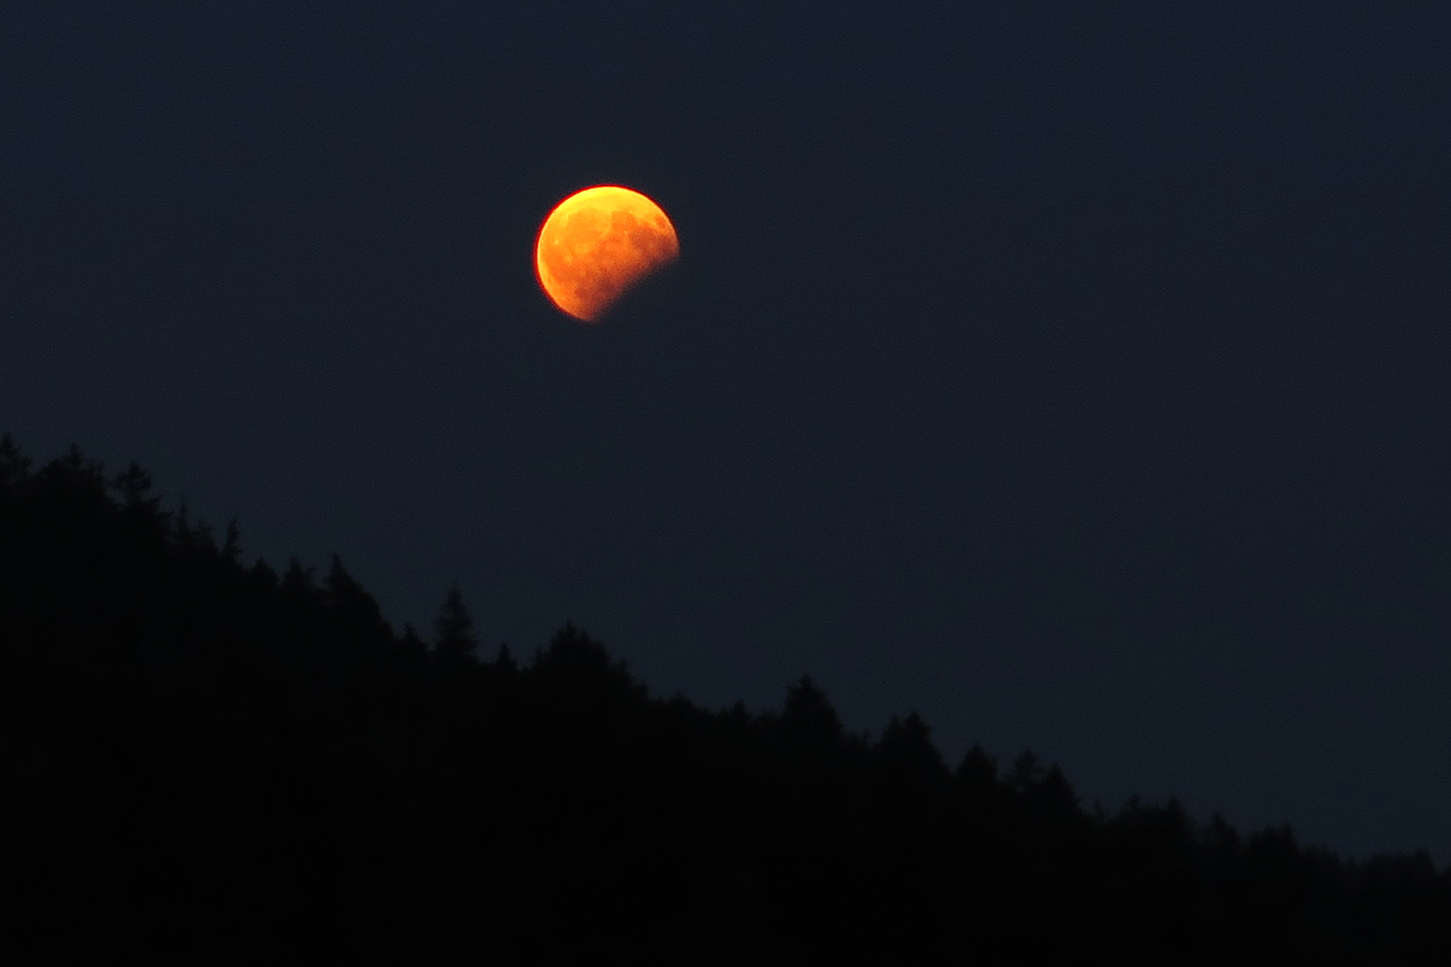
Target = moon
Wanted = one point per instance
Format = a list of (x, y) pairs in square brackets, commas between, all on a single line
[(598, 244)]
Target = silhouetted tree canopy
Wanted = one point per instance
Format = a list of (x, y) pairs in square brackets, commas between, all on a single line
[(1027, 772), (908, 755), (208, 762), (505, 662), (809, 721), (454, 641), (14, 465), (978, 771)]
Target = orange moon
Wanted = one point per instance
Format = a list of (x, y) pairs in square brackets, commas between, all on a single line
[(598, 244)]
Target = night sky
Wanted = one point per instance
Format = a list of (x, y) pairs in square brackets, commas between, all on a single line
[(1073, 373)]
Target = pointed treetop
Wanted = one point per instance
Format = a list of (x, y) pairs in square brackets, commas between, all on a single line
[(232, 543), (1028, 770), (505, 661), (453, 632), (14, 465), (809, 717), (978, 770), (134, 486), (298, 579)]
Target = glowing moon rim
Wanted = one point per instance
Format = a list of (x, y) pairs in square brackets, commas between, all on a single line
[(597, 245)]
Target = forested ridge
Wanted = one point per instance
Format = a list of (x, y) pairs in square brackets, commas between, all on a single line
[(217, 760)]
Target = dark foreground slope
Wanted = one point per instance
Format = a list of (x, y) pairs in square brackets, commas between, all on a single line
[(215, 761)]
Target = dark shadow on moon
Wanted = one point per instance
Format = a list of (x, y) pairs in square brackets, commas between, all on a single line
[(652, 298)]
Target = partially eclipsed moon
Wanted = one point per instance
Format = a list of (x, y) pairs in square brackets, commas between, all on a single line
[(599, 243)]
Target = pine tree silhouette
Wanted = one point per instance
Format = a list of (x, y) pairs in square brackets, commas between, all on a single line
[(239, 736), (977, 773), (454, 641), (1028, 770), (809, 721), (504, 663), (14, 465)]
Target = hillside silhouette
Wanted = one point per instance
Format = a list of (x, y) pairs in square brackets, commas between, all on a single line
[(219, 761)]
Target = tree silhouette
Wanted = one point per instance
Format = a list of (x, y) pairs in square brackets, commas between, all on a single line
[(504, 663), (908, 757), (809, 721), (1052, 797), (297, 580), (134, 486), (232, 543), (213, 758), (977, 774), (454, 641), (14, 465), (1028, 770)]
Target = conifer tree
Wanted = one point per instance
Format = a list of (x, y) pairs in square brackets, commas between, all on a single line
[(907, 752), (505, 662), (232, 543), (1028, 771), (356, 611), (978, 771), (140, 508), (14, 465), (809, 720), (412, 642), (297, 580), (453, 633), (134, 486)]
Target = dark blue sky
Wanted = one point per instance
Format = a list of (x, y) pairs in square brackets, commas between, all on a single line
[(1076, 374)]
